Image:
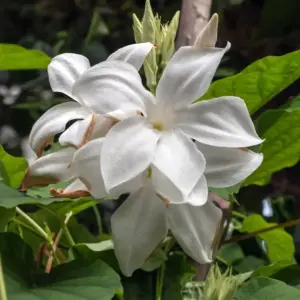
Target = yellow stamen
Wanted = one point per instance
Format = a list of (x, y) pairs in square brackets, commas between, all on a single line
[(157, 126)]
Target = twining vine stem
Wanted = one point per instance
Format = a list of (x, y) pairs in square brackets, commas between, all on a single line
[(239, 238)]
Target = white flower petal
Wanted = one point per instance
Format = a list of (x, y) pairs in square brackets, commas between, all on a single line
[(209, 34), (86, 166), (111, 86), (221, 122), (75, 134), (199, 194), (130, 186), (188, 75), (94, 126), (179, 165), (194, 228), (64, 70), (134, 54), (75, 186), (138, 226), (127, 151), (55, 165), (228, 166), (53, 121)]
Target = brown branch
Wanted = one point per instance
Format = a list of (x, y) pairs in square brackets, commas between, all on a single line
[(239, 238), (193, 17)]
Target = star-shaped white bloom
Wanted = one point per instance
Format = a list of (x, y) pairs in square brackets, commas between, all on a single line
[(143, 220), (63, 72), (159, 135)]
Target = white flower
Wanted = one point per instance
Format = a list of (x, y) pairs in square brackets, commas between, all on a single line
[(159, 135), (80, 167), (63, 72), (143, 221)]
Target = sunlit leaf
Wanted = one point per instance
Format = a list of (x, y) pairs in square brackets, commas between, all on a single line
[(15, 57), (12, 169), (279, 243), (281, 149)]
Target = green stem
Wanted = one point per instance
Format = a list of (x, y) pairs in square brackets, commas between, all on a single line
[(66, 229), (238, 214), (98, 219), (3, 295), (36, 226), (38, 229), (68, 234), (160, 281)]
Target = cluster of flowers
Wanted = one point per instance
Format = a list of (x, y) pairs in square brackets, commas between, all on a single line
[(163, 149)]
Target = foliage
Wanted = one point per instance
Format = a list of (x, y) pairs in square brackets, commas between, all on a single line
[(49, 247)]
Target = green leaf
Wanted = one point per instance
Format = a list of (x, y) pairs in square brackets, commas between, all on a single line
[(10, 198), (5, 216), (270, 270), (231, 253), (178, 272), (266, 289), (44, 191), (15, 57), (279, 243), (281, 131), (74, 280), (12, 169), (249, 263), (102, 250), (284, 271), (259, 82)]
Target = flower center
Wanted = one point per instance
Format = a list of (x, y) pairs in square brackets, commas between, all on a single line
[(161, 118), (158, 126)]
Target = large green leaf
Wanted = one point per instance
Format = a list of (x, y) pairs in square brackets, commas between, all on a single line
[(279, 243), (266, 289), (15, 57), (281, 148), (259, 82), (72, 281), (12, 169)]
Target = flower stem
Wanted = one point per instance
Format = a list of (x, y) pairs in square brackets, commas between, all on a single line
[(98, 219), (238, 214), (3, 295), (160, 281), (68, 234), (36, 226), (239, 238)]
